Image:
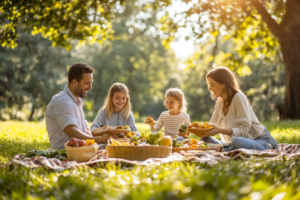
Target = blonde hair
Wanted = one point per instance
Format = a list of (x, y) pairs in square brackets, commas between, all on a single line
[(225, 76), (179, 95), (108, 103)]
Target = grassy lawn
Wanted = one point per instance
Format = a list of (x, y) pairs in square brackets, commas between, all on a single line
[(229, 180)]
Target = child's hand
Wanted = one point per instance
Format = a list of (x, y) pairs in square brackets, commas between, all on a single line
[(149, 121)]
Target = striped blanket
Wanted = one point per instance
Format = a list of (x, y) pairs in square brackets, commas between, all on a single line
[(285, 151)]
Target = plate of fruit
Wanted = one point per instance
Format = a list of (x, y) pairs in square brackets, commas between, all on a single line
[(183, 130), (107, 129), (199, 128), (150, 121), (119, 130), (194, 145)]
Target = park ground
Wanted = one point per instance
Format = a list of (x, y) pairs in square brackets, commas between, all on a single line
[(235, 179)]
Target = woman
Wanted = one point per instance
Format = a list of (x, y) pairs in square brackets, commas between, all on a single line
[(233, 117)]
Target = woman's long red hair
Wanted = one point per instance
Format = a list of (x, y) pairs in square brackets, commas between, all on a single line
[(225, 76)]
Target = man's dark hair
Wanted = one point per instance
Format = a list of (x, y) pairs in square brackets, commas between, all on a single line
[(77, 70)]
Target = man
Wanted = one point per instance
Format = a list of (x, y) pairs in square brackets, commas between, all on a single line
[(64, 114)]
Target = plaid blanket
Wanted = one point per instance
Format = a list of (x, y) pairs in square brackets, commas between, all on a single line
[(285, 151)]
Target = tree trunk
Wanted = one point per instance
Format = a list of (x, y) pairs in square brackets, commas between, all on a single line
[(289, 40), (32, 112), (214, 51), (288, 35)]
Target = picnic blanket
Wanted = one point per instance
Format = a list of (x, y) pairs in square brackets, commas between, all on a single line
[(285, 151)]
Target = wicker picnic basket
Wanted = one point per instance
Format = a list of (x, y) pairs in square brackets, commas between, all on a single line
[(138, 152), (217, 148)]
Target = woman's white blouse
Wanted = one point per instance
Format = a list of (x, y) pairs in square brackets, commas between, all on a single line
[(240, 118)]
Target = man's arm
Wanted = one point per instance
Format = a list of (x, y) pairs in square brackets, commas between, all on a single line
[(72, 131)]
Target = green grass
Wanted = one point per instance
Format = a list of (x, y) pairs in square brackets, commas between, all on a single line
[(228, 180)]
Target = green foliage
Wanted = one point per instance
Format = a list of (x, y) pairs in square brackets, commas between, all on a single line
[(137, 59), (29, 76), (57, 153), (237, 19), (60, 21), (137, 56)]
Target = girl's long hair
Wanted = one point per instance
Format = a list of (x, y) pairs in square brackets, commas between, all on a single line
[(225, 76), (108, 103), (179, 95)]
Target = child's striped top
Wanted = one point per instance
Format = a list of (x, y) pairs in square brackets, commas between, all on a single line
[(171, 123)]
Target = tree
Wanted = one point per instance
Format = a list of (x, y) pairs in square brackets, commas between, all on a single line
[(30, 75), (264, 24), (135, 59)]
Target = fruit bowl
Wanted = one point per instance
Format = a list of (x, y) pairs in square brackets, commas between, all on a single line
[(183, 133), (199, 131), (111, 130), (81, 154)]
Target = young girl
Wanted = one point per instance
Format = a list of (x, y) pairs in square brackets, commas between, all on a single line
[(176, 115), (233, 117), (116, 110)]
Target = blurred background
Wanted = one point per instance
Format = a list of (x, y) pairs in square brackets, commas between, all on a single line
[(151, 47)]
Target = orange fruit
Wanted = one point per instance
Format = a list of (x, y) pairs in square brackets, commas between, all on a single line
[(194, 141)]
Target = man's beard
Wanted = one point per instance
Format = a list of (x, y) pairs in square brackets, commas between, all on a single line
[(79, 92)]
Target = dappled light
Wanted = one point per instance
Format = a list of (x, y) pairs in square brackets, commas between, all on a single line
[(160, 99)]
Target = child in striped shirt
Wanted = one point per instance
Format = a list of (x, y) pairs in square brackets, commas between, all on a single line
[(176, 115)]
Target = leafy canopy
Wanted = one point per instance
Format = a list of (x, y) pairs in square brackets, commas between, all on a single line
[(60, 21), (254, 24)]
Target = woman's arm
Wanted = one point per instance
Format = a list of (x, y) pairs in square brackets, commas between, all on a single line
[(242, 116), (217, 130)]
